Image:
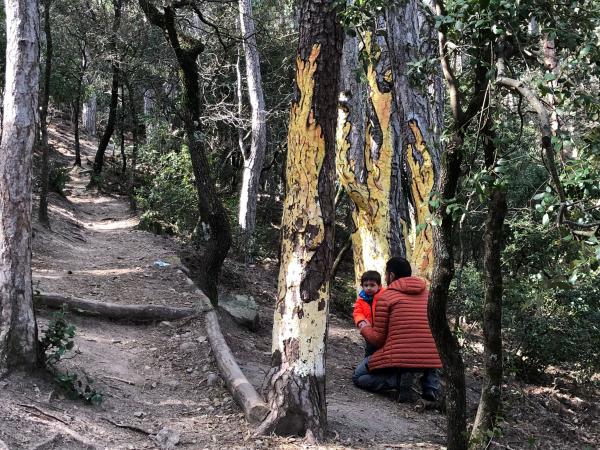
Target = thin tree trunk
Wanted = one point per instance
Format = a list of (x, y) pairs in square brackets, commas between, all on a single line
[(134, 135), (122, 131), (254, 158), (239, 94), (114, 92), (18, 329), (89, 115), (295, 385), (210, 206), (45, 169), (491, 394), (77, 106)]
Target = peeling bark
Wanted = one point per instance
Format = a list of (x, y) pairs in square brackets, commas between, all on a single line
[(295, 385), (18, 329)]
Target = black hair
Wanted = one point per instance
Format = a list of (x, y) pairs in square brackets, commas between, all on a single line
[(371, 275), (399, 267)]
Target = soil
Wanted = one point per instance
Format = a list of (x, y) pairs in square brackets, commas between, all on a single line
[(159, 377)]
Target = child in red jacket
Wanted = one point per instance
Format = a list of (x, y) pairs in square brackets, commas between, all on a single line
[(364, 307)]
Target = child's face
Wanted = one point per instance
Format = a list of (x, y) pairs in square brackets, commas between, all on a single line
[(370, 287)]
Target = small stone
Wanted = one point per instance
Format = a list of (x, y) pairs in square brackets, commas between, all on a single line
[(153, 385), (212, 379), (153, 349), (70, 272), (138, 414), (187, 346), (147, 367), (165, 323), (202, 339), (167, 438), (189, 370)]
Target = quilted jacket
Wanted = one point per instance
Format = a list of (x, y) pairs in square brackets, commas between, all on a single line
[(400, 329)]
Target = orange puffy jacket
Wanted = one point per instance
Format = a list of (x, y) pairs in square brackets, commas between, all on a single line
[(401, 329), (364, 311)]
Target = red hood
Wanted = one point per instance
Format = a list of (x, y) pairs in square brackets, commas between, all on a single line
[(408, 285)]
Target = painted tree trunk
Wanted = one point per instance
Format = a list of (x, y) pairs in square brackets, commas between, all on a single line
[(89, 115), (367, 175), (254, 158), (420, 100), (295, 385), (491, 393), (45, 98), (18, 329), (114, 93)]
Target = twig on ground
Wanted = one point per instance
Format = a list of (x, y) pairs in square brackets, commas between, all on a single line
[(108, 377), (42, 412), (129, 427)]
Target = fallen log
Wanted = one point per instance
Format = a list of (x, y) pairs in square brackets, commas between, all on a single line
[(243, 392), (134, 313)]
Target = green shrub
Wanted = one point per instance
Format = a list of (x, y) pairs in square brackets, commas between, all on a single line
[(57, 179)]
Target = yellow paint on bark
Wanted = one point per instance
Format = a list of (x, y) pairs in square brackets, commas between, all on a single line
[(371, 198), (302, 320), (422, 183)]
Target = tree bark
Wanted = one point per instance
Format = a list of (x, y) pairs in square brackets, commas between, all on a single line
[(122, 131), (134, 134), (212, 212), (367, 175), (89, 115), (295, 384), (18, 329), (419, 98), (254, 158), (491, 394), (45, 167), (114, 92), (77, 107)]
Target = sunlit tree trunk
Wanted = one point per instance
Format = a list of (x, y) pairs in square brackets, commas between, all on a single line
[(114, 92), (18, 330), (366, 169), (45, 98), (295, 385), (419, 99), (255, 155)]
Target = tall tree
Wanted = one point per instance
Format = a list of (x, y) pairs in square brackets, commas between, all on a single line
[(45, 171), (255, 155), (18, 329), (186, 49), (89, 113), (295, 384), (114, 89)]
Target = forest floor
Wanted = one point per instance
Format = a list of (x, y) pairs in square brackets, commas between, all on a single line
[(160, 376)]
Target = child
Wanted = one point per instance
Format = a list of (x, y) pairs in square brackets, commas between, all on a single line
[(364, 308)]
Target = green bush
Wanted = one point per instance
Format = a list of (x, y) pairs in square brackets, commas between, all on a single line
[(57, 179), (168, 196)]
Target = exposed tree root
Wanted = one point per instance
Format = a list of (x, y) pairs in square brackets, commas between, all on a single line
[(134, 313), (243, 392)]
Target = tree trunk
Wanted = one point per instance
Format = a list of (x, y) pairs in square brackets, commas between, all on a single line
[(367, 175), (89, 115), (295, 385), (18, 329), (77, 108), (122, 132), (254, 158), (420, 102), (134, 150), (491, 394), (212, 212), (114, 92), (45, 168)]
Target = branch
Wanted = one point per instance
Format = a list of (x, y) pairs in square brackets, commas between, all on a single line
[(152, 13), (455, 97)]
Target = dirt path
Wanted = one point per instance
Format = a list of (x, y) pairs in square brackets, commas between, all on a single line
[(162, 376)]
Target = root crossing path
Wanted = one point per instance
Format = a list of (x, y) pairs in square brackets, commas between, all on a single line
[(159, 382)]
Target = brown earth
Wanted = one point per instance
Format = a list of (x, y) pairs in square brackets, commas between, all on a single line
[(161, 376)]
